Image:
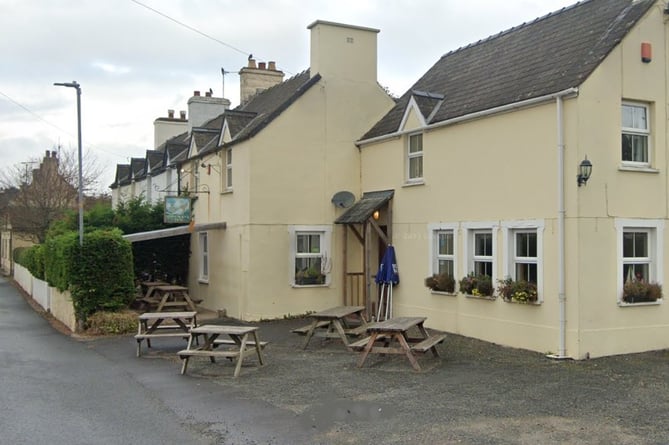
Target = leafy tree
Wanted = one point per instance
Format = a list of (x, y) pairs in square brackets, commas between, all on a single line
[(44, 194)]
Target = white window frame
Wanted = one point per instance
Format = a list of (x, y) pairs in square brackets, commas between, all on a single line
[(203, 238), (645, 132), (468, 251), (433, 239), (228, 169), (655, 229), (414, 155), (325, 233), (510, 229)]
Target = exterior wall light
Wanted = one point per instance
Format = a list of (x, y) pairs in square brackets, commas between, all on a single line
[(584, 171), (376, 215)]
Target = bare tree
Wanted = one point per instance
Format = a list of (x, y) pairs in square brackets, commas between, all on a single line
[(45, 193)]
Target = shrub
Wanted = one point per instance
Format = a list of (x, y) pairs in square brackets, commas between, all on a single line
[(442, 282), (520, 291), (32, 258), (479, 285), (112, 323), (101, 274)]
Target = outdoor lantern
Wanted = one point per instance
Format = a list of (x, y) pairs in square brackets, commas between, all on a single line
[(376, 215), (584, 171)]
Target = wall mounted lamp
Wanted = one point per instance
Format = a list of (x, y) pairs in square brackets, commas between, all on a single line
[(584, 172), (376, 215)]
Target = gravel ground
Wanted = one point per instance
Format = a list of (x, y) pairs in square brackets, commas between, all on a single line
[(476, 393)]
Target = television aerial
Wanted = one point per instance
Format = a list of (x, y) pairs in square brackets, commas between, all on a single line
[(343, 199)]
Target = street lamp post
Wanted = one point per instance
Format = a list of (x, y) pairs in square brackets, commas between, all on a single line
[(76, 86)]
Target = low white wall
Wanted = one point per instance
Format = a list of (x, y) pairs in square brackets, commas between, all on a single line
[(23, 278), (59, 304), (62, 308), (40, 293)]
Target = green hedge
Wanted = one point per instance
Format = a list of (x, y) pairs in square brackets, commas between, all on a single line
[(98, 274), (32, 258)]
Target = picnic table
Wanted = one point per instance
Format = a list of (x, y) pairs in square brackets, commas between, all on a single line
[(243, 341), (169, 296), (334, 323), (394, 333), (151, 325)]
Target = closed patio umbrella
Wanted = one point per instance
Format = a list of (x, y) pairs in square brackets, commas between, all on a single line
[(387, 276)]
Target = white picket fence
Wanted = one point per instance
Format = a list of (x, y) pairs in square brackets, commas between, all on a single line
[(59, 304)]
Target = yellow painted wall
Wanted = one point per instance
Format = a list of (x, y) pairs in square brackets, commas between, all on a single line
[(504, 168)]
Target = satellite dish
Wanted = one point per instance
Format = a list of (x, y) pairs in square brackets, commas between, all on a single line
[(343, 199)]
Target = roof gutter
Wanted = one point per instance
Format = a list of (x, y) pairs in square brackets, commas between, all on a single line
[(573, 91)]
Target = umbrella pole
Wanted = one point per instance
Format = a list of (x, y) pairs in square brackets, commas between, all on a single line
[(378, 311)]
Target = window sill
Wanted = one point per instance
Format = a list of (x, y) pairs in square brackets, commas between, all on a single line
[(641, 303), (481, 297), (413, 183), (439, 292), (203, 280), (300, 286), (640, 169), (226, 192), (523, 303)]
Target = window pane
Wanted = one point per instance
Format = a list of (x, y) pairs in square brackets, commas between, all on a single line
[(635, 147), (628, 116), (445, 244), (483, 244), (416, 167), (637, 272), (527, 272), (308, 243), (483, 268), (416, 143), (635, 245), (634, 117), (446, 266), (526, 245)]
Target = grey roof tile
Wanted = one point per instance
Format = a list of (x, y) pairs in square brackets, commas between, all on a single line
[(362, 210), (550, 54)]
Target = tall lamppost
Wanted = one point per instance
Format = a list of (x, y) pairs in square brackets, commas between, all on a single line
[(76, 86)]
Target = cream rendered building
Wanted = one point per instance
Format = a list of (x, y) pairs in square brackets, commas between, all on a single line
[(483, 154), (279, 159)]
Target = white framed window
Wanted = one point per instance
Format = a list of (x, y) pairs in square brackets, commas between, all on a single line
[(310, 261), (415, 157), (228, 169), (639, 252), (635, 134), (479, 250), (523, 246), (204, 257), (443, 248)]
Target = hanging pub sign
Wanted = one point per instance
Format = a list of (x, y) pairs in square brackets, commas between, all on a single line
[(177, 210)]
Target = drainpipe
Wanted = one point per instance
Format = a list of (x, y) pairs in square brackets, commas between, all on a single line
[(562, 299)]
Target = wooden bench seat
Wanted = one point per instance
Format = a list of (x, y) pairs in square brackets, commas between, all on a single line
[(304, 329), (205, 353), (360, 344), (228, 342), (357, 331), (425, 345)]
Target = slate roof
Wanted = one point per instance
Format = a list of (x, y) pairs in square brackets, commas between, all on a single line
[(122, 175), (362, 210), (550, 54), (137, 168), (155, 160), (249, 119)]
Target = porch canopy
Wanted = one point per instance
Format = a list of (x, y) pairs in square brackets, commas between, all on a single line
[(359, 218), (172, 231)]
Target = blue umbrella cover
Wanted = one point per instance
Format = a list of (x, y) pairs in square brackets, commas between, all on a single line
[(388, 272)]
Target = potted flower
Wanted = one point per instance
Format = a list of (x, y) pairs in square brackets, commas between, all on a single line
[(638, 291), (477, 285), (442, 282), (520, 291), (310, 276)]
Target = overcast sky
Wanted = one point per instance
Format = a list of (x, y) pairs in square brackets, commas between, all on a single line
[(134, 64)]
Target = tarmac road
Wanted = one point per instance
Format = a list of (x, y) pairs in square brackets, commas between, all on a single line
[(59, 390)]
